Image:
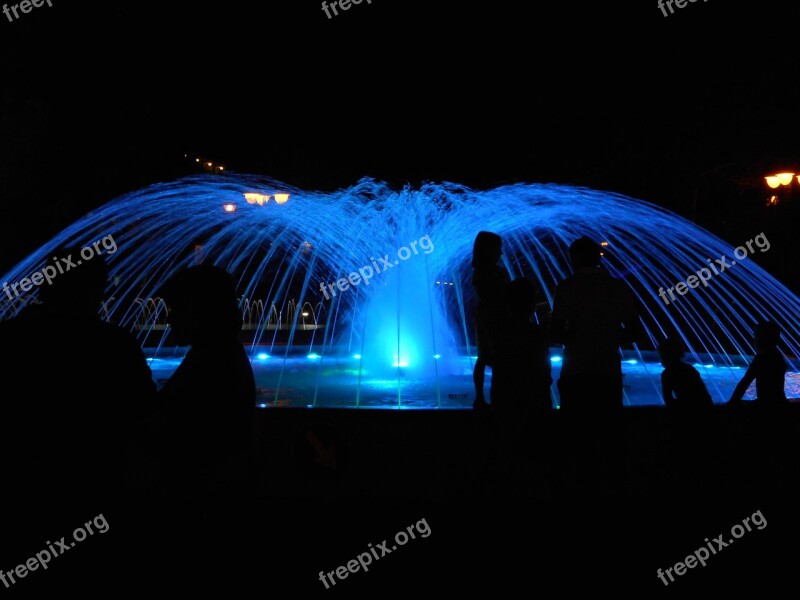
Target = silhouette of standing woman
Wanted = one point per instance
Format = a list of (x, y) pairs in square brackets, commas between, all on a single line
[(490, 282)]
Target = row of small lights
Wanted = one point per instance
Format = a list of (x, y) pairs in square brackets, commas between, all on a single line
[(250, 197), (260, 199)]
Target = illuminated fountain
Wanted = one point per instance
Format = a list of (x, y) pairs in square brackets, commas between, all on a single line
[(362, 296)]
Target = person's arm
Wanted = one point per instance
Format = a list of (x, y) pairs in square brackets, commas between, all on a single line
[(666, 389), (744, 382)]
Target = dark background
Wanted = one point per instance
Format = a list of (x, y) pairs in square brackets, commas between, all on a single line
[(688, 111)]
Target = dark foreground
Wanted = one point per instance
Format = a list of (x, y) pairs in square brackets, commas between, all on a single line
[(587, 505)]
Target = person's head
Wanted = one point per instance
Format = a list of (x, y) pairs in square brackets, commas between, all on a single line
[(584, 253), (670, 351), (487, 249), (202, 304), (72, 283), (522, 298), (766, 335)]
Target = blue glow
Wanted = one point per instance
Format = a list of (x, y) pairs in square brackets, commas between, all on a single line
[(631, 361), (262, 356), (281, 254), (262, 405)]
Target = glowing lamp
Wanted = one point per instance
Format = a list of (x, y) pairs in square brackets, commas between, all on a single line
[(281, 198), (229, 207), (779, 179)]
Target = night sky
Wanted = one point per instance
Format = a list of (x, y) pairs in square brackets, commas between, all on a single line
[(100, 100)]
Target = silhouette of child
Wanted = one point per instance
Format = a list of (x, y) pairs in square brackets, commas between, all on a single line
[(768, 368), (521, 366), (681, 383), (490, 282), (520, 394)]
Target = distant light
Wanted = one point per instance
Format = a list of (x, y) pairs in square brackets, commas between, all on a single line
[(262, 406), (632, 361), (604, 243), (253, 198), (305, 314), (221, 168), (773, 200), (281, 198), (229, 207), (357, 356), (209, 164), (262, 356), (555, 359), (437, 356), (313, 355), (196, 160)]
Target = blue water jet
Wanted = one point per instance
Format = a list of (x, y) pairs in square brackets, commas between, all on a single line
[(309, 311)]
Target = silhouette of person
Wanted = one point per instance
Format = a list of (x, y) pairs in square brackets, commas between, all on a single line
[(490, 282), (681, 383), (593, 315), (81, 386), (520, 390), (205, 422), (521, 377), (768, 368)]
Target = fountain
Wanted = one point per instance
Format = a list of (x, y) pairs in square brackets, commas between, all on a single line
[(361, 297)]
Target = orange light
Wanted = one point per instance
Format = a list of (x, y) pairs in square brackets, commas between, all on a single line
[(253, 198), (773, 200), (281, 198), (779, 179), (604, 243), (229, 207)]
